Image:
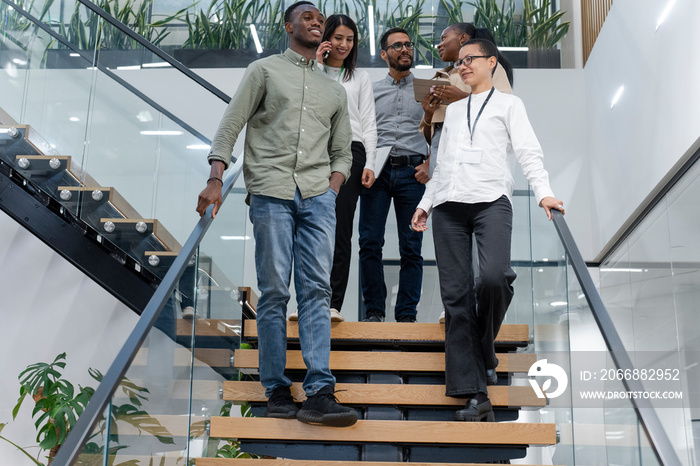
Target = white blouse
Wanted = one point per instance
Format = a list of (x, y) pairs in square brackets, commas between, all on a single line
[(504, 135), (360, 107)]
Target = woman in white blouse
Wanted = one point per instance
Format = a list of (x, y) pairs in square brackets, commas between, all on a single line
[(470, 196), (337, 56)]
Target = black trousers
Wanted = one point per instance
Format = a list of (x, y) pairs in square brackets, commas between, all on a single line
[(473, 311), (345, 205)]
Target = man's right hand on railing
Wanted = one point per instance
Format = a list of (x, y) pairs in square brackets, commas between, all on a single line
[(212, 193)]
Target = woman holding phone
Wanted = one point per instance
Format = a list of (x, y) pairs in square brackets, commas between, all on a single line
[(337, 58)]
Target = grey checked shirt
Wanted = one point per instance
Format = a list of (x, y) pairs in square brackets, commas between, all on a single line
[(398, 116)]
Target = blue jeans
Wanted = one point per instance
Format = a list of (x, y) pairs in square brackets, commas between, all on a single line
[(399, 184), (299, 232)]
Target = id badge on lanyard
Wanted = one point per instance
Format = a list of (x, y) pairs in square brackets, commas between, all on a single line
[(470, 153)]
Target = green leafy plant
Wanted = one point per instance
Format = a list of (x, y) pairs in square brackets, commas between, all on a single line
[(232, 447), (545, 29), (226, 25), (501, 21), (538, 27), (88, 33), (15, 25), (454, 10), (58, 404)]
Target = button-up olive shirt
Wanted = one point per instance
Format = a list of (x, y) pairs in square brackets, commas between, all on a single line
[(298, 128)]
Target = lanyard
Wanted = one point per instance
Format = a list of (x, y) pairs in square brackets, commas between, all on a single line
[(340, 73), (469, 110)]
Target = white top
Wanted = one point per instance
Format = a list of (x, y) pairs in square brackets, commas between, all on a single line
[(504, 135), (361, 109)]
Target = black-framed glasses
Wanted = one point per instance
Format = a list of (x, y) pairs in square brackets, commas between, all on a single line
[(468, 60), (397, 46)]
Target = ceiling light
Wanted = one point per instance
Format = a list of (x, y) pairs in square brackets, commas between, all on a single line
[(424, 67), (231, 238), (558, 303), (132, 67), (627, 270), (370, 15), (617, 96), (74, 119), (664, 14), (74, 54), (161, 64), (254, 32), (513, 49), (161, 133), (199, 146), (20, 62)]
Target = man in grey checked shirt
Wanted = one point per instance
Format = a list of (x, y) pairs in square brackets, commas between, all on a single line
[(402, 179)]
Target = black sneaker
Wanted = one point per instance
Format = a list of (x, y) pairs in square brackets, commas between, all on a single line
[(374, 316), (281, 404), (323, 409), (406, 319)]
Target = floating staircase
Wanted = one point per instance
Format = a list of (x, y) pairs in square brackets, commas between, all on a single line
[(28, 159), (393, 375)]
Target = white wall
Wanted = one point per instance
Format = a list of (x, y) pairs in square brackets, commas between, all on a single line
[(49, 307), (657, 119)]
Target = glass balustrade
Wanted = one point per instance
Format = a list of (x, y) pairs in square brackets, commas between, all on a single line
[(232, 34), (117, 151)]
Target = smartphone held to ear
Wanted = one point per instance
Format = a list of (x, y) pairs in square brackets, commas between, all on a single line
[(326, 53)]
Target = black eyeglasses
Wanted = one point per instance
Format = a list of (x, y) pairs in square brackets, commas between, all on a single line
[(397, 46), (468, 60)]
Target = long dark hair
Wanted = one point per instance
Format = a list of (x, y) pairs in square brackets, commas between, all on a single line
[(483, 33), (332, 23)]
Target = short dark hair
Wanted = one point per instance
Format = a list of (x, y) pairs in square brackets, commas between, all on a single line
[(488, 48), (332, 23), (483, 33), (288, 12), (465, 28), (385, 37)]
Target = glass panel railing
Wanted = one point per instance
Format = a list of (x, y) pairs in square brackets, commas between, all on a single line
[(113, 155), (597, 417), (161, 405), (650, 284), (229, 34)]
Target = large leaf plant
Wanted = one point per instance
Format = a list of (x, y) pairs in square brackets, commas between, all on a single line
[(59, 404)]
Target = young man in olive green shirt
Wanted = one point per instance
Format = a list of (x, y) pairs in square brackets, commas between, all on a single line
[(297, 154)]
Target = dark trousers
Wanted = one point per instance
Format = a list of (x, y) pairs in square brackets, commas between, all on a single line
[(345, 206), (400, 185), (473, 312)]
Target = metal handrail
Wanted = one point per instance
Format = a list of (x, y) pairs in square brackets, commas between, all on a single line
[(660, 443), (81, 431), (157, 51), (88, 56)]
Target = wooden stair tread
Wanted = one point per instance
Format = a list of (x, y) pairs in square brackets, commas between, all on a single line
[(385, 361), (394, 331), (209, 327), (114, 198), (212, 357), (286, 462), (158, 229), (403, 432), (384, 394)]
